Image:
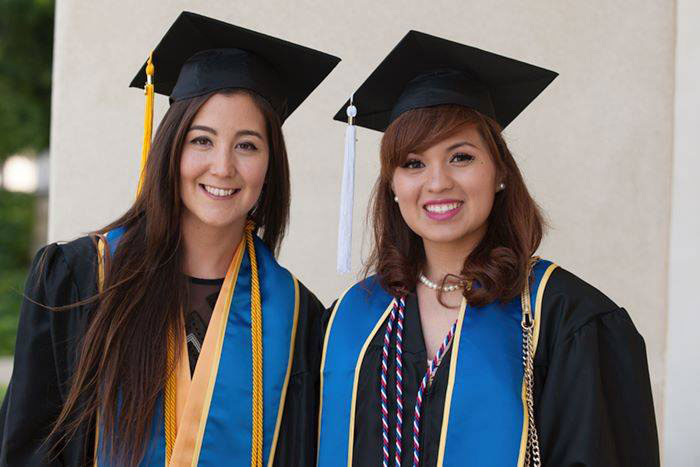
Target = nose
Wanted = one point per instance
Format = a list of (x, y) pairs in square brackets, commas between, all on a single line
[(223, 163), (439, 179)]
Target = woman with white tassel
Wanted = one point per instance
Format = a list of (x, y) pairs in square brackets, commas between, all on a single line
[(460, 347)]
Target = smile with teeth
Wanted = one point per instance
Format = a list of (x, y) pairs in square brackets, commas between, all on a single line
[(220, 192), (441, 208)]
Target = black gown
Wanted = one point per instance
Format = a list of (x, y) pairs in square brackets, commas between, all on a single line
[(593, 400), (46, 354)]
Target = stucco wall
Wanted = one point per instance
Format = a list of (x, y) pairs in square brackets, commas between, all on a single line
[(596, 148)]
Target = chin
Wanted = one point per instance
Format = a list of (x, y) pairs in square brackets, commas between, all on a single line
[(446, 234), (447, 238), (217, 220)]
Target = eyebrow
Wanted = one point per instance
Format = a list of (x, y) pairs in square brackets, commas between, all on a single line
[(462, 143), (203, 128), (238, 134), (249, 133)]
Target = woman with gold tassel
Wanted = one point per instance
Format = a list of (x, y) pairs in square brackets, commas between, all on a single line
[(172, 336), (463, 349)]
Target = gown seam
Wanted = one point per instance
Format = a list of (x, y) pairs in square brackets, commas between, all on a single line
[(593, 319)]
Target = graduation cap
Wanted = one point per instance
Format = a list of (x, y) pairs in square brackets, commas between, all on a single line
[(426, 71), (199, 55)]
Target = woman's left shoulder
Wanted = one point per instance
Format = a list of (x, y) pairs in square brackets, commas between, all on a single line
[(569, 304)]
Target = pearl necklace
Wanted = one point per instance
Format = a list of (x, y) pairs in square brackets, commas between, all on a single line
[(432, 285)]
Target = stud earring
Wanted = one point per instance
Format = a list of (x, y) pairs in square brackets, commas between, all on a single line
[(396, 198), (501, 186)]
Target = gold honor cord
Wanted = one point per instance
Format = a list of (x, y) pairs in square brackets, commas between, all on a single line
[(256, 456), (147, 122), (170, 400)]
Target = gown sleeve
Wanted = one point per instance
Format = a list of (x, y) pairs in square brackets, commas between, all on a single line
[(44, 352), (298, 434), (594, 402)]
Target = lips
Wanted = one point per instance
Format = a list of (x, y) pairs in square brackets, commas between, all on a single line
[(219, 192), (443, 209)]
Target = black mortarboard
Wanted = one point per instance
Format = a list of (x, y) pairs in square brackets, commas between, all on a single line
[(424, 71), (199, 55)]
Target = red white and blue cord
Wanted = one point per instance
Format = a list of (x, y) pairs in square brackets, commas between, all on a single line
[(397, 317), (399, 380), (383, 384), (425, 382)]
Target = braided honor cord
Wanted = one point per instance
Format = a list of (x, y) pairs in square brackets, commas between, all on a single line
[(397, 317), (399, 380), (425, 382), (382, 387), (256, 456), (397, 310)]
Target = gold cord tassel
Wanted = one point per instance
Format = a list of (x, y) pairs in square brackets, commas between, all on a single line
[(148, 120), (256, 459)]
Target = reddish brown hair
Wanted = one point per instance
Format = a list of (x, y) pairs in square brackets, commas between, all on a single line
[(499, 263)]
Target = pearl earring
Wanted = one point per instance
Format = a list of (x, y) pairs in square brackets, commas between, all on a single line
[(396, 198), (501, 186)]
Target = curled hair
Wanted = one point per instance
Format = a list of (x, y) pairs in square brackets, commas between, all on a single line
[(500, 262)]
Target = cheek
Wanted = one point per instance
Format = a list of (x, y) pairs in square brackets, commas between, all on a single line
[(405, 187), (191, 166), (254, 171), (480, 192)]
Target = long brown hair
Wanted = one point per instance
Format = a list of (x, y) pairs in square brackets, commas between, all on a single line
[(500, 261), (122, 367)]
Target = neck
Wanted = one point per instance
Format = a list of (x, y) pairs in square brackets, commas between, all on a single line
[(442, 258), (208, 250)]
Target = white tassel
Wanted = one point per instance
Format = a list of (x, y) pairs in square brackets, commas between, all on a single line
[(347, 196)]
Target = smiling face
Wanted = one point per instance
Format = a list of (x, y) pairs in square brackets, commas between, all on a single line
[(445, 193), (224, 161)]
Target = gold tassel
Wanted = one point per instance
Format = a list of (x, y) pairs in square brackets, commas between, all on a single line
[(148, 121)]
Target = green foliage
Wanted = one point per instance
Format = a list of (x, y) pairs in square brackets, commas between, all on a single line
[(26, 49), (16, 227)]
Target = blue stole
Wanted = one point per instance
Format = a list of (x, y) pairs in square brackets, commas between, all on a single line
[(484, 417), (227, 429)]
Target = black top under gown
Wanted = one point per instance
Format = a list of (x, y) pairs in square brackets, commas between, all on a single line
[(201, 300), (46, 354), (593, 400)]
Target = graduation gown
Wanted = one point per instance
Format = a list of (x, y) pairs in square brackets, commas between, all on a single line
[(46, 355), (593, 401)]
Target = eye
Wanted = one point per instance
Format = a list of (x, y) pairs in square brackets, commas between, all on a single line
[(201, 141), (247, 146), (462, 157), (412, 164)]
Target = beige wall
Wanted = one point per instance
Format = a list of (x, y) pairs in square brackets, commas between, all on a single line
[(682, 407), (596, 148)]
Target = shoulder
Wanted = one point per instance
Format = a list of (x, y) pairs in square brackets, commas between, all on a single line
[(308, 298), (59, 266), (366, 292), (570, 305), (566, 291), (80, 256)]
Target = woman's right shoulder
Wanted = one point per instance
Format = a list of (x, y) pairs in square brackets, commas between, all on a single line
[(62, 266)]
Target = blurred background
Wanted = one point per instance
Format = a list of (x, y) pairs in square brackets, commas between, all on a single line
[(26, 49), (609, 150)]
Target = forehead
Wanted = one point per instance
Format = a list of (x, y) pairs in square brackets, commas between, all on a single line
[(230, 111), (467, 135)]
